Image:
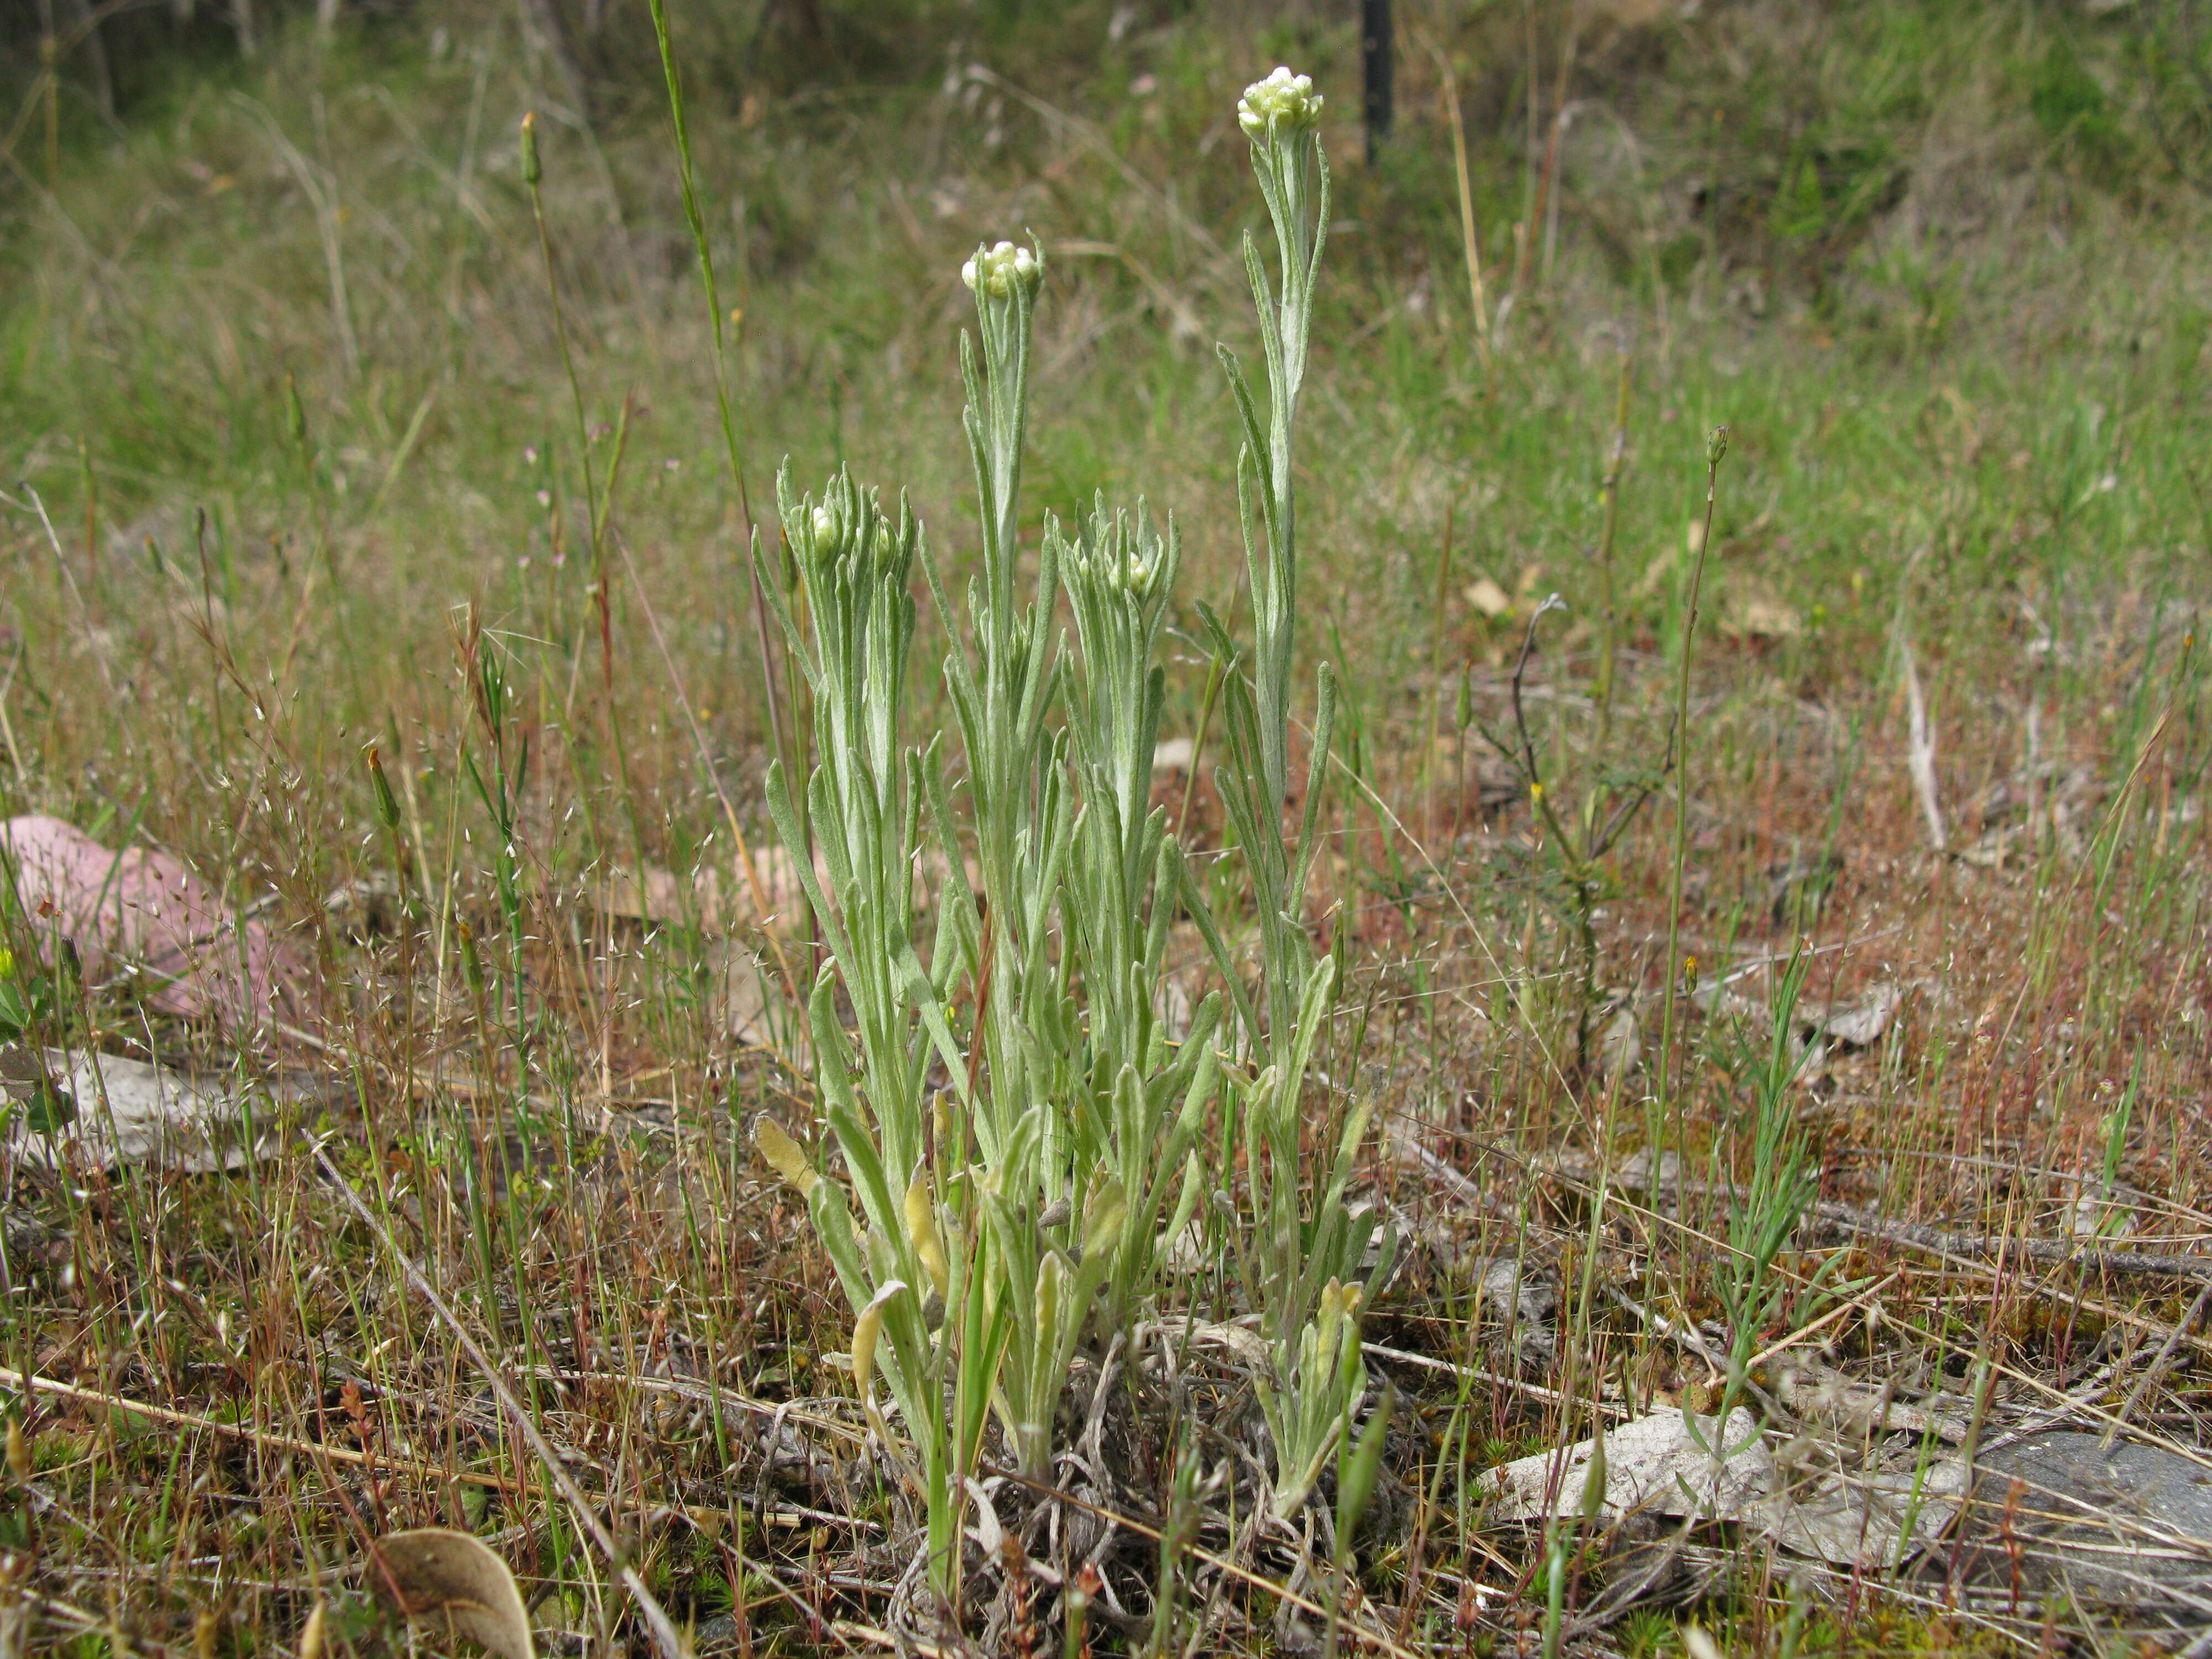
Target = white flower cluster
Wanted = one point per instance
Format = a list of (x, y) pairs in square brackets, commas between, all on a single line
[(1283, 103), (999, 271)]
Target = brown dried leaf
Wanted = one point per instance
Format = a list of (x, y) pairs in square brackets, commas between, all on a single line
[(1755, 611), (1484, 594), (435, 1576)]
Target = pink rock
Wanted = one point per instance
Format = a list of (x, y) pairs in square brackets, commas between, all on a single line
[(142, 914)]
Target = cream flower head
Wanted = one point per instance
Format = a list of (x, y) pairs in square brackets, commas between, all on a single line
[(998, 271), (1283, 103)]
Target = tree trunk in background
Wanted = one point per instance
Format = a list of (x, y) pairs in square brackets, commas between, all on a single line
[(1374, 62)]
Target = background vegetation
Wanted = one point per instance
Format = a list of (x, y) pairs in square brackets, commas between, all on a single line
[(284, 388)]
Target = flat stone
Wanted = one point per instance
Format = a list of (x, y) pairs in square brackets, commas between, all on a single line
[(113, 1110), (1665, 1463), (2127, 1524)]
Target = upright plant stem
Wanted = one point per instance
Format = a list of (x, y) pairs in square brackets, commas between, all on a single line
[(598, 506), (1525, 228), (1545, 220), (1716, 447), (531, 177), (1198, 741), (1436, 680), (1470, 243), (1609, 620), (725, 409)]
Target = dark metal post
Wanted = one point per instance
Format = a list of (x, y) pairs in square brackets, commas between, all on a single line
[(1375, 60)]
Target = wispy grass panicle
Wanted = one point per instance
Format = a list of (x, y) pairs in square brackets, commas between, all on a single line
[(1765, 1210)]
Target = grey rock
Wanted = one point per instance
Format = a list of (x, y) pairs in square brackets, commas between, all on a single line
[(2128, 1524), (1521, 1301), (29, 1242), (1513, 1289), (716, 1633)]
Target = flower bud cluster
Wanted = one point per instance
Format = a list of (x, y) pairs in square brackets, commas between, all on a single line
[(1119, 556), (1133, 574), (1281, 106), (999, 272)]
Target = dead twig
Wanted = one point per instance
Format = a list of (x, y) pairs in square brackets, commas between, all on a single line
[(1920, 745), (1481, 1374), (2160, 1361), (1938, 1242), (31, 1382)]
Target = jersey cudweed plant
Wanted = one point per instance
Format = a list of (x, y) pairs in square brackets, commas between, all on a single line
[(1301, 1266), (1143, 1098), (864, 802), (1047, 1224), (1019, 1131)]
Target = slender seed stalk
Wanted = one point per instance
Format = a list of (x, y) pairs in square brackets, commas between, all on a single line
[(1716, 448), (1470, 243), (533, 175), (725, 408), (1608, 620), (598, 506), (1437, 681)]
